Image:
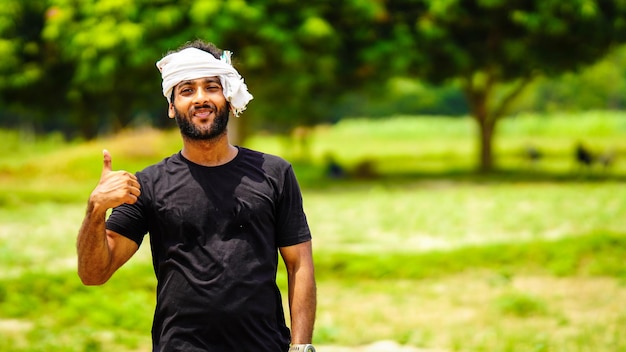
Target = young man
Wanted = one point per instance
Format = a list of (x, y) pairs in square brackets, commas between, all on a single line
[(217, 215)]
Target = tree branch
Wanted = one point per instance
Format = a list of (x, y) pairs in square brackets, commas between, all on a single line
[(509, 98)]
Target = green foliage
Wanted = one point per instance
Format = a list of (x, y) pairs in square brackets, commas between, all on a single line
[(494, 49), (586, 89), (100, 55), (19, 43), (509, 39)]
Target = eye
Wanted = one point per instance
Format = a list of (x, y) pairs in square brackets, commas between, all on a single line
[(185, 90), (214, 87)]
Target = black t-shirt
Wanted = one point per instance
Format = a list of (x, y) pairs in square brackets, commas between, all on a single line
[(214, 233)]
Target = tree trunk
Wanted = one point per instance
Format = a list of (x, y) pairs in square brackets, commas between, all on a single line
[(486, 163), (486, 125), (478, 98)]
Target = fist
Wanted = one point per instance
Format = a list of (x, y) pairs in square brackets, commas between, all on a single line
[(115, 187)]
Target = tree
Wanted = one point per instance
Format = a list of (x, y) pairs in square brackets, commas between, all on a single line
[(292, 55), (301, 58), (494, 48), (95, 58), (584, 90), (102, 42), (32, 79)]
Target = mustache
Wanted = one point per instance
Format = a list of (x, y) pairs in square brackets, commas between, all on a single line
[(205, 106)]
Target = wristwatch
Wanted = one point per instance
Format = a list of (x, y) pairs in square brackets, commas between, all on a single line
[(302, 348)]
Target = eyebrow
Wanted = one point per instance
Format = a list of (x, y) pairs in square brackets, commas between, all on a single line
[(213, 79), (206, 80)]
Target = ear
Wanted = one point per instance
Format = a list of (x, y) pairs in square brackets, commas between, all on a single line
[(170, 111)]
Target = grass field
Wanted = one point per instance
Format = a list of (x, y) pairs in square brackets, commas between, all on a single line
[(425, 252)]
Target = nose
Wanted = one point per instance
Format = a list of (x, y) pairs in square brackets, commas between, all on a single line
[(200, 97)]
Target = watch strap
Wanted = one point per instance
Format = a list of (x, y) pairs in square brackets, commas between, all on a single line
[(302, 348)]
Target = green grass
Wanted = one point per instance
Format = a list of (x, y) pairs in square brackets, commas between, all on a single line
[(429, 253), (586, 255)]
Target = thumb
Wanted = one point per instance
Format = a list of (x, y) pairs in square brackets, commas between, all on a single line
[(107, 161)]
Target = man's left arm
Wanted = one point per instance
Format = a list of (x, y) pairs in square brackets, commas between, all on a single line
[(302, 290)]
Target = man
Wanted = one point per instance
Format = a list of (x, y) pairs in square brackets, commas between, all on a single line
[(217, 215)]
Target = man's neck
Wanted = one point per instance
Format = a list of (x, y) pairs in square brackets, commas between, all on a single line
[(210, 152)]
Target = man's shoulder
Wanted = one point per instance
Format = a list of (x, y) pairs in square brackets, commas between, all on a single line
[(269, 162), (259, 155)]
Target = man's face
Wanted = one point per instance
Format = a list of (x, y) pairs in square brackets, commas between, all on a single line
[(200, 108)]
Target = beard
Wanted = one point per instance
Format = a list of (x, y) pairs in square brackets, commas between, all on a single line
[(193, 132)]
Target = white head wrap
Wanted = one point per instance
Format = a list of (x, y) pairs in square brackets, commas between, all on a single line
[(192, 63)]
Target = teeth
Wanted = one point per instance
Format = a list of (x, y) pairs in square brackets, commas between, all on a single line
[(202, 112)]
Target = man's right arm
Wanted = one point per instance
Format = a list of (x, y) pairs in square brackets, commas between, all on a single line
[(100, 251)]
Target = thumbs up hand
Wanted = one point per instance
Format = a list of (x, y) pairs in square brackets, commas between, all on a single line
[(115, 187)]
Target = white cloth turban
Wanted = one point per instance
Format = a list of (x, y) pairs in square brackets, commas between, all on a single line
[(192, 63)]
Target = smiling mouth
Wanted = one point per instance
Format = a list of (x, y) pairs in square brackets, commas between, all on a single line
[(202, 112)]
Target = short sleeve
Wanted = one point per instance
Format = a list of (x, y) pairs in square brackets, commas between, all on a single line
[(291, 222), (129, 219)]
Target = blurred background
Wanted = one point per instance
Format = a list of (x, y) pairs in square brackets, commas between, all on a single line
[(461, 161)]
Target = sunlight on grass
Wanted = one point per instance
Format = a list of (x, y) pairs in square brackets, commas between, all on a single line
[(460, 311), (434, 215)]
